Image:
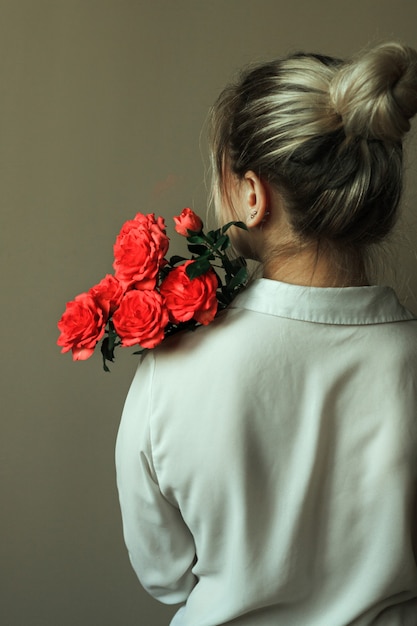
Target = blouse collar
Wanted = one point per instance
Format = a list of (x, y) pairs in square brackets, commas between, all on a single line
[(323, 305)]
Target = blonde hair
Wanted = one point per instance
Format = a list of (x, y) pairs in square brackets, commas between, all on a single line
[(327, 134)]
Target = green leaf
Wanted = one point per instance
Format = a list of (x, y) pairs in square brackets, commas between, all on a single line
[(107, 353), (105, 350), (113, 338), (164, 271), (225, 244), (222, 241), (224, 298), (241, 225), (198, 267), (196, 239), (176, 259), (239, 279), (212, 236), (197, 249), (237, 263)]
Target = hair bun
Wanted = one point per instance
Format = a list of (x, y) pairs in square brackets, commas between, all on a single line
[(376, 94)]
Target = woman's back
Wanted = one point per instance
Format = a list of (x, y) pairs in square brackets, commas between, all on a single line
[(273, 458)]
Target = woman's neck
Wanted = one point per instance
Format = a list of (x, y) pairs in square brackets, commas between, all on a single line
[(313, 267)]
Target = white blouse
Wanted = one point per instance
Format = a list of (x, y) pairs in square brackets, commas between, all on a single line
[(267, 463)]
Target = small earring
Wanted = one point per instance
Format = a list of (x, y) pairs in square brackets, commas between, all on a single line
[(266, 216), (253, 215)]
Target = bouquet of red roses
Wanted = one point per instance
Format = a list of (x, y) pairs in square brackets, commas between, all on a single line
[(150, 297)]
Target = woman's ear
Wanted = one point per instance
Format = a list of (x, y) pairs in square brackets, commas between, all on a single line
[(255, 199)]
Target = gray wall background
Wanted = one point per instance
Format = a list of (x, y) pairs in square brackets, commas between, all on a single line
[(102, 103)]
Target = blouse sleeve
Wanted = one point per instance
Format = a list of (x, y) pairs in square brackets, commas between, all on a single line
[(160, 545)]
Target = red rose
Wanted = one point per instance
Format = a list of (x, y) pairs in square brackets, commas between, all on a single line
[(188, 220), (139, 251), (108, 294), (82, 325), (141, 318), (190, 299)]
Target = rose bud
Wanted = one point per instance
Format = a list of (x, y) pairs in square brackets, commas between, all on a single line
[(188, 221)]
